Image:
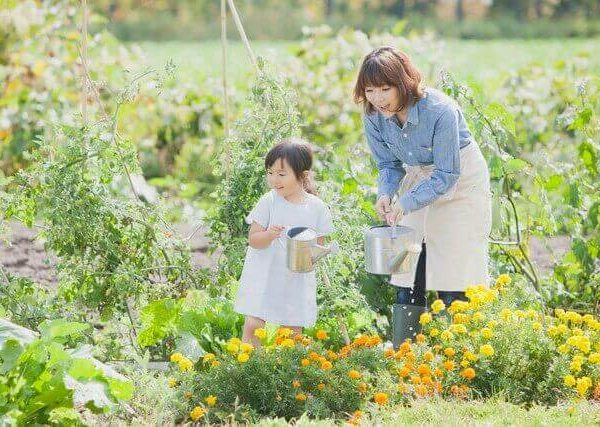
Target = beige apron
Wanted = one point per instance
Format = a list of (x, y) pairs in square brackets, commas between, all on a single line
[(455, 227)]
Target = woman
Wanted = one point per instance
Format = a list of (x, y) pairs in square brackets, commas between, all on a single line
[(426, 156)]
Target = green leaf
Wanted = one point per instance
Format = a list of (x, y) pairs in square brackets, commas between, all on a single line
[(587, 154), (60, 328), (553, 182), (122, 390), (499, 112), (582, 119), (83, 369), (515, 165), (10, 352)]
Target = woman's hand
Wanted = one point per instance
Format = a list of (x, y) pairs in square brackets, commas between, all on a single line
[(395, 215), (383, 206), (274, 231)]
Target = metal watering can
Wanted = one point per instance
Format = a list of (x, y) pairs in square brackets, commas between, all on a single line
[(390, 250), (303, 251)]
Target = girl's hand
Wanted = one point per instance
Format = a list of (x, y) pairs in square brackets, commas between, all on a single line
[(383, 206), (274, 231)]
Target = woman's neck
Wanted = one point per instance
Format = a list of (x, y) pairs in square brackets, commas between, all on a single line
[(402, 115)]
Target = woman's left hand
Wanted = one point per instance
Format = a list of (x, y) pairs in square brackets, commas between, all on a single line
[(395, 215)]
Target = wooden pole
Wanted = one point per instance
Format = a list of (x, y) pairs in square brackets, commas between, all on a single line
[(238, 24), (225, 93)]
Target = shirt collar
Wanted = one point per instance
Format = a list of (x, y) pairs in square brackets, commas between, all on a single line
[(413, 116)]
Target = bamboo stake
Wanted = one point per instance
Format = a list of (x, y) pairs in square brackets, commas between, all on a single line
[(238, 24), (84, 31), (225, 94)]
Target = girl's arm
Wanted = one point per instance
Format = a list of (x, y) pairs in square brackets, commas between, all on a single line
[(260, 238)]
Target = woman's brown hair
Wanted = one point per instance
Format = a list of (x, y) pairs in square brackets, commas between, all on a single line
[(386, 66), (299, 155)]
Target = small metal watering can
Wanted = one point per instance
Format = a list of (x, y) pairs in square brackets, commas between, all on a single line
[(303, 251), (390, 250)]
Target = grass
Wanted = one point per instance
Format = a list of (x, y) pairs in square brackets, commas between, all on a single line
[(467, 59)]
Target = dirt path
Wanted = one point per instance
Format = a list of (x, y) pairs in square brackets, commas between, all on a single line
[(25, 254)]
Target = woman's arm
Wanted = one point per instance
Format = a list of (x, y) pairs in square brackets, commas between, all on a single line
[(260, 238), (446, 161)]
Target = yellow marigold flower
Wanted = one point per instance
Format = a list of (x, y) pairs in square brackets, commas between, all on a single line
[(470, 356), (449, 365), (301, 397), (295, 383), (520, 314), (305, 362), (243, 357), (487, 350), (458, 329), (288, 342), (536, 326), (322, 335), (420, 338), (458, 306), (185, 364), (502, 280), (449, 352), (437, 306), (362, 387), (465, 363), (284, 332), (487, 333), (211, 400), (425, 318), (197, 413), (428, 356), (326, 365), (215, 363), (461, 318), (563, 349), (176, 357), (208, 357), (437, 372), (574, 317), (506, 314), (594, 358), (468, 373), (314, 355), (571, 410), (446, 335), (246, 348), (172, 382), (560, 313), (478, 317), (354, 374), (402, 388), (232, 347), (434, 332), (415, 379), (235, 341), (321, 386), (332, 355), (570, 381), (380, 398), (583, 384), (260, 333)]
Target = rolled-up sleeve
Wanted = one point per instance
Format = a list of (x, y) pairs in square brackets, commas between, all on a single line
[(446, 161), (390, 168)]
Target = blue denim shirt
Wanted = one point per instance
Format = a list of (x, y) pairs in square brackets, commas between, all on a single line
[(434, 132)]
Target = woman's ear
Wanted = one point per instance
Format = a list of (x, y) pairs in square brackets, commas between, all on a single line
[(305, 174)]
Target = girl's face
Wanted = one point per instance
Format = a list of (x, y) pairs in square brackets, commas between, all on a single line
[(281, 178), (385, 99)]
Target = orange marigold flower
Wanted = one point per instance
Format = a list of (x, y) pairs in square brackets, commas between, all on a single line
[(426, 379), (424, 369), (380, 398), (437, 372), (428, 356), (421, 390), (449, 352), (415, 379), (321, 335), (326, 365), (354, 374), (468, 373), (314, 356), (449, 365), (404, 372), (305, 362), (295, 383), (389, 353), (332, 355), (362, 387), (420, 338), (404, 347), (321, 386), (374, 341), (301, 397)]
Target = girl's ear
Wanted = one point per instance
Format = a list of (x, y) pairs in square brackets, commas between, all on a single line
[(305, 174)]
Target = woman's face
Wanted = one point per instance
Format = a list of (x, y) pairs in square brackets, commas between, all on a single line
[(385, 99)]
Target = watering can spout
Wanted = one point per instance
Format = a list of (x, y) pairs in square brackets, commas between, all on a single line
[(318, 251)]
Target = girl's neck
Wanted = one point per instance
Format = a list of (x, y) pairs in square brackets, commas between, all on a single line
[(297, 197)]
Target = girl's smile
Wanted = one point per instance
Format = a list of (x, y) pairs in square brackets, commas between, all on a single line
[(283, 180)]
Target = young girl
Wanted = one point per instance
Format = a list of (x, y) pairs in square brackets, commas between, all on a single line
[(269, 291)]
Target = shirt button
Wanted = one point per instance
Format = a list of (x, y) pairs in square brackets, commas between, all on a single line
[(410, 153), (404, 135)]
